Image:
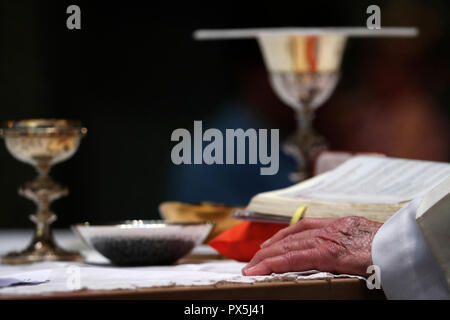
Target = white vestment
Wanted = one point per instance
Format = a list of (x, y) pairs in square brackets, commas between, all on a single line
[(409, 269)]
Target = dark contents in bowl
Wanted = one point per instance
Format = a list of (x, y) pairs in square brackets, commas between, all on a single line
[(142, 251)]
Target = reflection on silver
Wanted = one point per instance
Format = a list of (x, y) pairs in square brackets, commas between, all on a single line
[(304, 70), (42, 143), (142, 242), (304, 89)]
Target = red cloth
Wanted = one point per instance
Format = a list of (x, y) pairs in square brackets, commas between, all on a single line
[(242, 241)]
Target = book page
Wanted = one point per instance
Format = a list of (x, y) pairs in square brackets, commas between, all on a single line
[(371, 179)]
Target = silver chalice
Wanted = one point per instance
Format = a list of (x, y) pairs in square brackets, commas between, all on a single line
[(304, 65), (42, 143)]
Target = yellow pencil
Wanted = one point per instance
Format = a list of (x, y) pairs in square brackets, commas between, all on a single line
[(298, 214)]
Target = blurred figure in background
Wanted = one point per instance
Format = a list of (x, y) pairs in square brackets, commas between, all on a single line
[(397, 103)]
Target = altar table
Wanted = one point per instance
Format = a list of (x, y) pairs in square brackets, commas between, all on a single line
[(203, 260)]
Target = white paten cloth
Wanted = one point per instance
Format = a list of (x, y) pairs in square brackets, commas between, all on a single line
[(98, 274)]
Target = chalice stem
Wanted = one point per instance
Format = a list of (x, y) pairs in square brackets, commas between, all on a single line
[(304, 133), (307, 141), (42, 196), (42, 237), (43, 170), (43, 219)]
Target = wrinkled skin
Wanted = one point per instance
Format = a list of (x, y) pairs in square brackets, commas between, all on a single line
[(337, 245)]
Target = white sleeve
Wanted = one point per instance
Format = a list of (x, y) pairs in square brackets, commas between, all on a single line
[(408, 267)]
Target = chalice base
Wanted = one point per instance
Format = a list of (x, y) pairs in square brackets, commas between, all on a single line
[(40, 250)]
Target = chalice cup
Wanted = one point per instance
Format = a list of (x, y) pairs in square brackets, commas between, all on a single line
[(304, 71), (42, 143)]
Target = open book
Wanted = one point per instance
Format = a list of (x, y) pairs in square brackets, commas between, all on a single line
[(370, 186)]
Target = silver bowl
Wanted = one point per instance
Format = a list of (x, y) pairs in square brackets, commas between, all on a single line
[(144, 242)]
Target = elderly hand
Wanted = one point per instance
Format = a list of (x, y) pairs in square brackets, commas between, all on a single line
[(338, 245)]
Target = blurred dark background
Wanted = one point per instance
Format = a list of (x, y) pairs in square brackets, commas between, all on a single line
[(133, 74)]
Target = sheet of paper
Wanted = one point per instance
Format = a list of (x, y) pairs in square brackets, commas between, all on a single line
[(372, 179), (25, 278)]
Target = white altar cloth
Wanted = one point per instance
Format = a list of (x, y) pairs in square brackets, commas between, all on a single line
[(97, 274)]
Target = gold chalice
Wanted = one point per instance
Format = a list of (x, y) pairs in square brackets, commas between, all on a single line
[(42, 143)]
